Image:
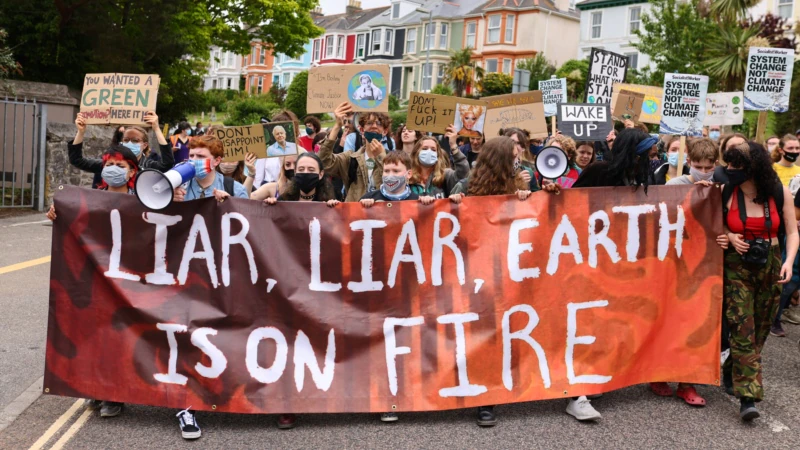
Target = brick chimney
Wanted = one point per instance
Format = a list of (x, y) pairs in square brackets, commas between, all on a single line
[(316, 13), (353, 6)]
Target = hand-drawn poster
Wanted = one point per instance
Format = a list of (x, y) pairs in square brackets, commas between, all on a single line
[(627, 106), (118, 98), (724, 108), (584, 121), (365, 86), (651, 106), (523, 110), (239, 141), (605, 69)]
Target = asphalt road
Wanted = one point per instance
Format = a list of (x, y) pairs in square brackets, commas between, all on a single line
[(632, 417)]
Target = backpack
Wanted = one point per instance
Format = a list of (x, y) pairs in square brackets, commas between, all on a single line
[(777, 195), (227, 183)]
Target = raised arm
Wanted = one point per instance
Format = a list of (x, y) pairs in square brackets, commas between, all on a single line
[(75, 150)]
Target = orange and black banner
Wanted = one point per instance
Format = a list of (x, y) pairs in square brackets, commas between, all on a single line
[(245, 307)]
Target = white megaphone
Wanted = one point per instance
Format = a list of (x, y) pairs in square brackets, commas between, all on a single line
[(155, 189), (552, 163)]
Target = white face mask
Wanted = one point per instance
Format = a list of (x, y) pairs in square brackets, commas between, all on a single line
[(700, 176), (428, 157)]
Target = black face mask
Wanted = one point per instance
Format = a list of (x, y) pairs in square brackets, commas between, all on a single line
[(290, 174), (791, 157), (736, 176), (306, 182)]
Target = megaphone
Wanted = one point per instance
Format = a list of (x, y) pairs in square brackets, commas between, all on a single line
[(155, 189), (552, 162)]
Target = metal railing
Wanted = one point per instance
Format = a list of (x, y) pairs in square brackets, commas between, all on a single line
[(23, 134)]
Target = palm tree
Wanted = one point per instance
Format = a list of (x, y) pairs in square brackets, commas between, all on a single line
[(462, 72), (731, 10), (727, 55)]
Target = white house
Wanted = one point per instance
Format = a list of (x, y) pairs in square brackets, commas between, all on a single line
[(224, 70), (611, 25)]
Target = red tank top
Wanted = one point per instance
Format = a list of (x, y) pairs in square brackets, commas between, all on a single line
[(756, 226)]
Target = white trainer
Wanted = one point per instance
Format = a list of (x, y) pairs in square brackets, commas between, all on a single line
[(581, 409)]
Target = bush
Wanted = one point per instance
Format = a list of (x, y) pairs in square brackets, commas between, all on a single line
[(398, 117), (394, 104), (497, 84), (575, 71), (249, 110), (296, 95), (278, 94), (442, 89), (218, 99)]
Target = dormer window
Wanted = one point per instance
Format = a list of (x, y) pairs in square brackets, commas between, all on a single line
[(396, 11)]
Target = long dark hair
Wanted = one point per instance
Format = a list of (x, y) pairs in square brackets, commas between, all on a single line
[(757, 164), (494, 169), (323, 192), (626, 163)]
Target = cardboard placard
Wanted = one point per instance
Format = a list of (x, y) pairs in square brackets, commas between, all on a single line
[(523, 110), (584, 121), (684, 104), (627, 106), (651, 107), (605, 69), (433, 113), (118, 98), (554, 91), (239, 141), (365, 86), (282, 139), (724, 108), (769, 79)]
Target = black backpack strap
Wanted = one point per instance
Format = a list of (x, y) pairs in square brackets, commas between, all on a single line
[(227, 183), (779, 199), (389, 143)]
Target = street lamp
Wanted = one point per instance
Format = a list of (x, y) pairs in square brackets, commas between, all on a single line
[(428, 55)]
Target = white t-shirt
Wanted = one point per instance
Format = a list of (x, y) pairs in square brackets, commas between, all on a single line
[(267, 171)]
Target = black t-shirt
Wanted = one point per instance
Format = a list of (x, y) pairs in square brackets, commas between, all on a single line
[(797, 201), (596, 175), (378, 196)]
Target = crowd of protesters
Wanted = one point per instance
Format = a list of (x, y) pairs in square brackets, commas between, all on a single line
[(359, 159)]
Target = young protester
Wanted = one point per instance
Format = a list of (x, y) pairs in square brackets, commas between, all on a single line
[(180, 142), (396, 174), (276, 188), (313, 126), (602, 149), (430, 174), (786, 313), (318, 140), (371, 125), (772, 145), (493, 174), (567, 144), (669, 170), (360, 171), (308, 184), (206, 153), (241, 171), (714, 133), (756, 214), (702, 160), (584, 155), (472, 149), (524, 166), (789, 150), (133, 138), (407, 138), (727, 142), (198, 130)]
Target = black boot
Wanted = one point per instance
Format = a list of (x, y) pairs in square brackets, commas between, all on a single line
[(748, 411), (727, 381), (486, 417)]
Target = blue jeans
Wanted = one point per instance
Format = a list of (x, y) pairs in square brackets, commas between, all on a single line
[(788, 289)]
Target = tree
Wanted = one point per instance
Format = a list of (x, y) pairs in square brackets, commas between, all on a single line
[(278, 94), (442, 89), (774, 29), (296, 95), (462, 72), (576, 71), (540, 69), (249, 110), (727, 55), (497, 84), (731, 10), (7, 63)]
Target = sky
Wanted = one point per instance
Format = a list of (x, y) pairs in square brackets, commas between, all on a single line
[(337, 6)]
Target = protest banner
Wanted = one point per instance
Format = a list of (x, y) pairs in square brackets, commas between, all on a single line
[(239, 141), (651, 106), (523, 110), (605, 69), (430, 112), (365, 86), (769, 79), (584, 121), (297, 307), (554, 91), (684, 107), (724, 108), (118, 98), (627, 106)]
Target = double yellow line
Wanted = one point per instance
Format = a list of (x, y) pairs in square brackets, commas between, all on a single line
[(59, 423)]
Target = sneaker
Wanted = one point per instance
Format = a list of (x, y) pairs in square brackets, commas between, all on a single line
[(747, 410), (110, 409), (581, 409), (287, 421), (791, 315), (188, 422), (389, 417), (94, 405), (777, 331), (486, 417)]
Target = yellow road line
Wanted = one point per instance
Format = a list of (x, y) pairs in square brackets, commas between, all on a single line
[(56, 425), (24, 265), (72, 430)]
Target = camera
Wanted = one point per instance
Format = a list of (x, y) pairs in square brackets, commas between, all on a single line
[(758, 252)]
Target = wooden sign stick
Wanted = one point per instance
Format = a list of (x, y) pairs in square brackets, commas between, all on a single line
[(553, 124), (681, 155), (761, 126)]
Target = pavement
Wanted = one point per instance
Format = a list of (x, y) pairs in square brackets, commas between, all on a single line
[(632, 417)]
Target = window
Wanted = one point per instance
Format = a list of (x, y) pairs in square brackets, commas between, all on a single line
[(785, 8), (213, 84), (491, 65), (254, 56), (361, 41), (635, 19), (429, 30), (262, 59), (597, 23), (252, 83), (340, 47), (387, 48), (395, 10), (510, 28), (329, 47), (427, 73), (507, 66), (287, 79), (633, 60), (376, 42), (471, 28), (260, 83), (230, 83), (440, 74), (315, 55), (443, 36), (494, 29), (411, 40)]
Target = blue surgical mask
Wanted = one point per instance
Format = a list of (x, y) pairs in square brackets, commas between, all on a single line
[(202, 167), (713, 135), (135, 148), (115, 176), (428, 157), (672, 159)]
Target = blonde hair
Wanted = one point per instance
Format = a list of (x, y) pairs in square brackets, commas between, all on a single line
[(477, 110), (567, 144)]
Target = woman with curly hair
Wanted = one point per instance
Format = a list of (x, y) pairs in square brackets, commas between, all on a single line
[(755, 215), (524, 167), (406, 139), (430, 174)]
